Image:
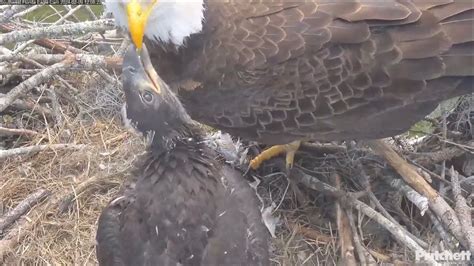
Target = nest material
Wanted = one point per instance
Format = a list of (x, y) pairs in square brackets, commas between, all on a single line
[(318, 222)]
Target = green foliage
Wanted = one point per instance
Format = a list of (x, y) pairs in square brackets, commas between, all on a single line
[(420, 129)]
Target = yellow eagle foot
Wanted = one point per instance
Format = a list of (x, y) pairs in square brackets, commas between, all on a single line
[(290, 150)]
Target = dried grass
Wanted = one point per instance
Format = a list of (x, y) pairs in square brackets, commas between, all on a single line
[(89, 114), (69, 237)]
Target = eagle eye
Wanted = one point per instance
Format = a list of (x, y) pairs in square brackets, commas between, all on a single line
[(147, 97)]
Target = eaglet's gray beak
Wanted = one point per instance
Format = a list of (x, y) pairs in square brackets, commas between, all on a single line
[(138, 72)]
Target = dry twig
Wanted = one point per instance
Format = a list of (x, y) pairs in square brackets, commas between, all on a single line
[(16, 132), (24, 226), (22, 208), (311, 233), (39, 148), (97, 181)]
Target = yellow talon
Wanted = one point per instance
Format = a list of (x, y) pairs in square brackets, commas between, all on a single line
[(290, 150)]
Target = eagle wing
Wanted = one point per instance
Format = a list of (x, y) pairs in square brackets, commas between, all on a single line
[(276, 71)]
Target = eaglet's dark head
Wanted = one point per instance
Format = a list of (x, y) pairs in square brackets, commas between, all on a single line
[(151, 105)]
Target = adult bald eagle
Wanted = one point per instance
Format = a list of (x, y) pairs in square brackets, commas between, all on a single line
[(277, 71), (183, 206)]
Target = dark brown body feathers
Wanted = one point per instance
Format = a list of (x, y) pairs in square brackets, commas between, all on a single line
[(183, 208), (276, 71)]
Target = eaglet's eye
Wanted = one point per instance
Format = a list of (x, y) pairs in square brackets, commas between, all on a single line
[(147, 97)]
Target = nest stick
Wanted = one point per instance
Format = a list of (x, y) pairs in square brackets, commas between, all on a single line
[(408, 173), (4, 131), (30, 105), (32, 82), (445, 154), (344, 229), (411, 176), (361, 251), (311, 233), (421, 202), (24, 12), (443, 234), (83, 62), (35, 149), (56, 31), (55, 46), (379, 206), (109, 62), (9, 13), (395, 229), (34, 63), (24, 226), (463, 210), (11, 240), (23, 207)]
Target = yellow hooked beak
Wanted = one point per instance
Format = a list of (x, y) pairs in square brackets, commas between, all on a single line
[(137, 14)]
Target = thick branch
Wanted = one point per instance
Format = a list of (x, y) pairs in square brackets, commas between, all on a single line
[(109, 62), (55, 46), (56, 31)]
